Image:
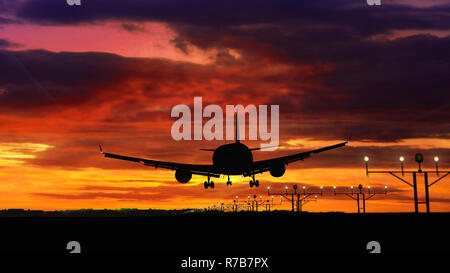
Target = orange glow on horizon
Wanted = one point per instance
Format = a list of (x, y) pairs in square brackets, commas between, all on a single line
[(30, 187)]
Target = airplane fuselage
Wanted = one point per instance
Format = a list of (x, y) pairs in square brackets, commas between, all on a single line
[(232, 159)]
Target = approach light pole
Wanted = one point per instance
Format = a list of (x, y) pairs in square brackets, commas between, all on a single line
[(436, 159), (419, 160), (297, 199), (360, 195), (253, 205)]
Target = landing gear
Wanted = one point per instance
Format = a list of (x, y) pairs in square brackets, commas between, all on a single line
[(254, 182), (208, 184), (229, 181)]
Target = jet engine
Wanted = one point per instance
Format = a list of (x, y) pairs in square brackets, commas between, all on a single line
[(277, 170), (183, 175)]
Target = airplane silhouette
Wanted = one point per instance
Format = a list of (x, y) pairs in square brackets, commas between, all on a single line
[(229, 159)]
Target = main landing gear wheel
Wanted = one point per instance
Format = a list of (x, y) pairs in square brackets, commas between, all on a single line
[(254, 182), (229, 181), (208, 183)]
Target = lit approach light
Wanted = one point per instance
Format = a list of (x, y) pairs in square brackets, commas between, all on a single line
[(366, 158), (351, 187), (401, 164), (436, 159), (304, 187), (334, 187)]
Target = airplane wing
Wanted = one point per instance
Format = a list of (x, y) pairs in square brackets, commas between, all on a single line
[(206, 170), (264, 165)]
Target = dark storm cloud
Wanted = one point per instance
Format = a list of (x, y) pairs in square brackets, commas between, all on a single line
[(314, 31), (133, 27), (60, 68), (184, 12), (31, 80), (410, 73), (368, 73), (7, 44), (385, 83), (223, 13), (372, 127), (4, 20), (38, 78)]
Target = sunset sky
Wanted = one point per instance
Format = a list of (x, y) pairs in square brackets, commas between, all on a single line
[(109, 72)]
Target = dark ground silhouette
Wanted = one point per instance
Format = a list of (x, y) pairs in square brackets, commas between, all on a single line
[(192, 231)]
